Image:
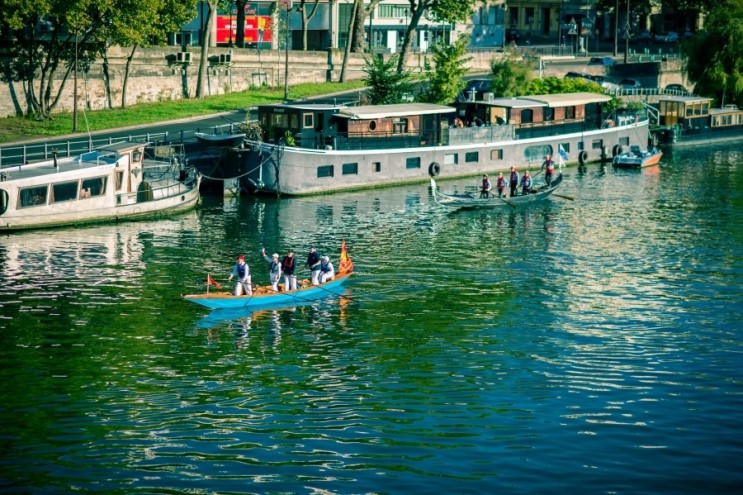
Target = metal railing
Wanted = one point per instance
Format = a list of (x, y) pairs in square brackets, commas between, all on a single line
[(29, 153)]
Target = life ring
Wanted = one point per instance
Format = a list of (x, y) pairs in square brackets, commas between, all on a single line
[(616, 150), (434, 169), (583, 157)]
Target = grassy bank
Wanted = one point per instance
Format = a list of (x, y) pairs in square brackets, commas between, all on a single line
[(20, 128)]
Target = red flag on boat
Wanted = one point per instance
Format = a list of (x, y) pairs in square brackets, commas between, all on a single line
[(211, 281), (345, 265)]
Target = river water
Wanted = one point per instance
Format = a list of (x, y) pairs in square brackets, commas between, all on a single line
[(586, 346)]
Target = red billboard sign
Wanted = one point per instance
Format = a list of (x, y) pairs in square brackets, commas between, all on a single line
[(257, 28)]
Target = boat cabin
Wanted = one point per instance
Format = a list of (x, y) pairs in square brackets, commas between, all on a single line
[(537, 115), (691, 112), (361, 127), (304, 125), (393, 126), (727, 116)]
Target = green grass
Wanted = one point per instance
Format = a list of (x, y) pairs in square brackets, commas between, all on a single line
[(22, 128)]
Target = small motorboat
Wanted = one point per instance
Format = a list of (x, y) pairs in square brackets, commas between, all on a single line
[(637, 157)]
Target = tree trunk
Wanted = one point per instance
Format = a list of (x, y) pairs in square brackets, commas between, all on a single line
[(126, 76), (240, 34), (106, 79), (416, 14), (359, 28), (306, 18), (356, 8), (201, 82)]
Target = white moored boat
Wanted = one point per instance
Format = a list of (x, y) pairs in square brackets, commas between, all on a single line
[(112, 183)]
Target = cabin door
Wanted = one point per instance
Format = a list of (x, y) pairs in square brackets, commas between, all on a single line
[(429, 130)]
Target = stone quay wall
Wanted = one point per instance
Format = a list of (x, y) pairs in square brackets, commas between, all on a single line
[(156, 75)]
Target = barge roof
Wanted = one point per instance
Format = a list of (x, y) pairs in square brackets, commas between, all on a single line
[(398, 110)]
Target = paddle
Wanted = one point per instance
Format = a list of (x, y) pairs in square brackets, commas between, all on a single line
[(564, 197), (507, 202)]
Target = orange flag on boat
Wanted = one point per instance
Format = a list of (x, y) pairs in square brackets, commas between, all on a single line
[(345, 265), (211, 281)]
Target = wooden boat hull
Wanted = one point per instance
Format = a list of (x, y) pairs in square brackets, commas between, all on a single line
[(466, 201), (225, 300)]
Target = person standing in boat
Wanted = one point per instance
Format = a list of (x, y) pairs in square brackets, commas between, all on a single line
[(313, 263), (486, 187), (549, 169), (514, 180), (526, 183), (287, 268), (500, 184), (242, 272), (274, 268), (327, 272)]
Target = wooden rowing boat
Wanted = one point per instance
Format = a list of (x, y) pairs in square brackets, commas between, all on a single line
[(264, 297), (469, 201)]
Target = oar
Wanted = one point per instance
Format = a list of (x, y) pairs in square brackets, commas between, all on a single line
[(507, 202), (564, 197)]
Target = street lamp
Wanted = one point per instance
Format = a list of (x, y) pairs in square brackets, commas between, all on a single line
[(74, 103), (616, 27), (287, 5), (626, 35), (504, 9)]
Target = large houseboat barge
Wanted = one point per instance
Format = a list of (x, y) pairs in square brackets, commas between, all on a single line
[(300, 149)]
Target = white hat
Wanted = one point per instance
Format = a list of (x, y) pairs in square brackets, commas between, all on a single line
[(275, 255), (325, 258)]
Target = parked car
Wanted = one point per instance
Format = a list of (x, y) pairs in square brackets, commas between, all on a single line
[(669, 37), (644, 37), (630, 84), (688, 35), (602, 61), (676, 90), (607, 83)]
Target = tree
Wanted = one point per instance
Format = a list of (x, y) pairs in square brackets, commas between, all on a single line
[(138, 23), (42, 45), (358, 27), (44, 49), (386, 84), (446, 77), (439, 10), (306, 18), (510, 74), (357, 6), (203, 59), (714, 58)]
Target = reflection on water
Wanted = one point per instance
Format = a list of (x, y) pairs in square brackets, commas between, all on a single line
[(539, 350)]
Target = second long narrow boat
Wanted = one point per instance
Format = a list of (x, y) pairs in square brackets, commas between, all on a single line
[(469, 201)]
